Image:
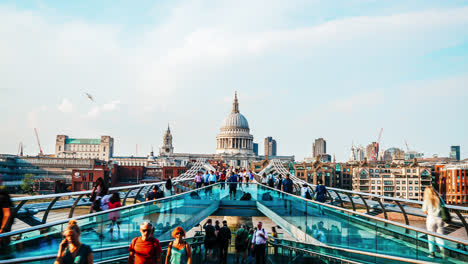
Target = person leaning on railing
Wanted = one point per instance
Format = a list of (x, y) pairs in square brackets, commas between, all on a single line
[(71, 250)]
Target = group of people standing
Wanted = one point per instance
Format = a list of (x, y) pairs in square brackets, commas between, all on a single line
[(248, 242), (232, 177)]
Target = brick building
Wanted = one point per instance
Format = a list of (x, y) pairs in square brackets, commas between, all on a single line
[(452, 181)]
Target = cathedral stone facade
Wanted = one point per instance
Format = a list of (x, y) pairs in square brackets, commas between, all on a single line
[(234, 136)]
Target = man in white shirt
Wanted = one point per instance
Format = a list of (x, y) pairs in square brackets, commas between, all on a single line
[(259, 240)]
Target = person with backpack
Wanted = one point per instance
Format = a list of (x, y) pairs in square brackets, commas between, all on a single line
[(145, 249), (271, 180), (241, 243), (178, 251), (233, 185), (305, 192), (320, 194), (99, 190), (259, 240), (210, 238), (224, 237), (287, 186)]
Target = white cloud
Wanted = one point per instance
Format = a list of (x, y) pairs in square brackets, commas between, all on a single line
[(107, 107), (66, 106)]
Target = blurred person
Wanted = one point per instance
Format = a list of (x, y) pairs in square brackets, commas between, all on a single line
[(241, 242), (179, 250), (6, 219), (155, 193), (432, 208), (198, 180), (210, 238), (224, 238), (114, 202), (99, 190), (233, 185), (71, 250)]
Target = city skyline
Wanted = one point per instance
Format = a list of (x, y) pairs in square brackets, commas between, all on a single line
[(302, 71)]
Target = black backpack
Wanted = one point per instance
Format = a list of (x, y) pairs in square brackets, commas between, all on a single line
[(307, 195), (210, 233), (267, 197), (246, 197), (224, 234), (270, 181)]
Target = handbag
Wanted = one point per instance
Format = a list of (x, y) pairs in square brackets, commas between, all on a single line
[(444, 212)]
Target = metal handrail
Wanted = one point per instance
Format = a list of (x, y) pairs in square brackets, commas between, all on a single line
[(279, 168), (23, 200), (453, 239), (24, 230), (99, 250), (366, 253)]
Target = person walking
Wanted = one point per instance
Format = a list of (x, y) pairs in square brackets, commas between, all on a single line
[(224, 238), (305, 192), (233, 185), (198, 180), (6, 220), (432, 208), (222, 180), (145, 249), (271, 180), (168, 186), (259, 240), (210, 238), (71, 250), (241, 243), (114, 202), (320, 195), (179, 250), (287, 186)]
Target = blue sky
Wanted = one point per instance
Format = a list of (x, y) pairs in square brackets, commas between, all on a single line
[(303, 69)]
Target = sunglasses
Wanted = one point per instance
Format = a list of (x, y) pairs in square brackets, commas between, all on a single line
[(180, 233), (145, 230)]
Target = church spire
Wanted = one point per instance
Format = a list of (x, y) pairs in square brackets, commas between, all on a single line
[(235, 105)]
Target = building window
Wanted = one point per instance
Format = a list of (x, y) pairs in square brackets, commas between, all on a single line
[(371, 170), (378, 188), (377, 171), (397, 182), (403, 188), (378, 182), (398, 187), (373, 187), (403, 182), (373, 182), (408, 170), (410, 182), (416, 188), (410, 188), (84, 176), (410, 194)]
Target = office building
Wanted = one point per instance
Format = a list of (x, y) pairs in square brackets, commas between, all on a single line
[(270, 147), (455, 152), (319, 147)]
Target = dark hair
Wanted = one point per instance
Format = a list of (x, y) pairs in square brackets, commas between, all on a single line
[(115, 197), (209, 221), (156, 187), (224, 222), (319, 181)]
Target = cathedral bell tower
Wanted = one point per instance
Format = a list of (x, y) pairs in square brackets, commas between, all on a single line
[(167, 149)]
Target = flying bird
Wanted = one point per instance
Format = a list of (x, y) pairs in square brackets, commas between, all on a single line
[(90, 97)]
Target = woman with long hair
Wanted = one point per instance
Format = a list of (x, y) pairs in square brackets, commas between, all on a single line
[(179, 250), (71, 250), (434, 223)]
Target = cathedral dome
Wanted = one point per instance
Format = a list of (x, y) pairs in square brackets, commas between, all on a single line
[(234, 136), (235, 120)]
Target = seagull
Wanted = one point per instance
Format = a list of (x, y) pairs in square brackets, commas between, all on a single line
[(90, 97)]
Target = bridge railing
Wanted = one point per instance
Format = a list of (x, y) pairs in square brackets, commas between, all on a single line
[(390, 208), (39, 209)]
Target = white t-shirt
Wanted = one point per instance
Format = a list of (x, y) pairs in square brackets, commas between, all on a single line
[(257, 239), (431, 211), (304, 190)]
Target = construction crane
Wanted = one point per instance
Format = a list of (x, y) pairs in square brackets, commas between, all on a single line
[(38, 143), (376, 149), (406, 143)]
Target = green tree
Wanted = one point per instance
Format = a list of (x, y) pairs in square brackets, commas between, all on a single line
[(27, 183)]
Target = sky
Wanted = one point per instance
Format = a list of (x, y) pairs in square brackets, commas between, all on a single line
[(305, 69)]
